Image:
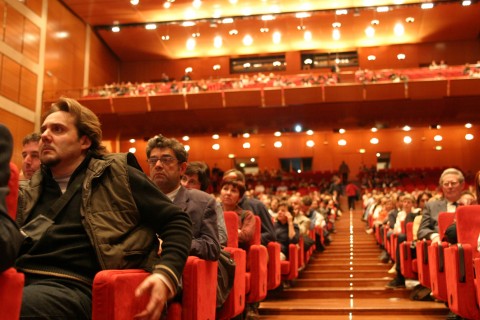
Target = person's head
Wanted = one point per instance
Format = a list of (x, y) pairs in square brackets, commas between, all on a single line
[(467, 198), (452, 183), (167, 160), (408, 202), (477, 184), (422, 199), (196, 176), (232, 189), (30, 154), (306, 203), (69, 131), (283, 211)]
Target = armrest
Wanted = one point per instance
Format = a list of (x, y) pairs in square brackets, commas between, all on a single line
[(258, 258), (274, 271), (235, 303), (11, 287)]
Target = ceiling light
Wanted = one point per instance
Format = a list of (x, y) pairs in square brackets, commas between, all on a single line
[(438, 138), (187, 147), (469, 136), (215, 137), (166, 37), (277, 37), (308, 61), (341, 131), (115, 29), (398, 29), (307, 36), (252, 159), (301, 28), (277, 144), (132, 150), (468, 125), (191, 43), (185, 138), (132, 140), (151, 26), (216, 146), (217, 43), (233, 32), (242, 164), (247, 40), (336, 34), (247, 65), (466, 3), (374, 141), (427, 5), (406, 128), (267, 17), (231, 155), (246, 145), (246, 135), (197, 4), (309, 132), (362, 151), (371, 58), (301, 15), (374, 129), (310, 143), (188, 24), (438, 148), (277, 134), (298, 128), (375, 22), (167, 5), (378, 154), (409, 19), (342, 142), (134, 2), (383, 9), (370, 31), (407, 139), (216, 67), (227, 20), (276, 63), (340, 12), (264, 30), (336, 24), (401, 56), (195, 34)]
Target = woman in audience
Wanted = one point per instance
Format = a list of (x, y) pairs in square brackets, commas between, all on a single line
[(287, 231), (232, 190)]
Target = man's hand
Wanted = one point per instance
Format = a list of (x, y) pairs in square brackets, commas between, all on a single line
[(158, 291), (436, 240)]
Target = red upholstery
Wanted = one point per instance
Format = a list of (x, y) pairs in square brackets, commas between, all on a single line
[(301, 252), (476, 264), (406, 259), (422, 263), (235, 303), (11, 281), (459, 264), (113, 293), (436, 258), (258, 271), (274, 265), (289, 268), (11, 287)]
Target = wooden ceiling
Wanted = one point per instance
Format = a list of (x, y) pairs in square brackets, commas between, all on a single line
[(447, 20)]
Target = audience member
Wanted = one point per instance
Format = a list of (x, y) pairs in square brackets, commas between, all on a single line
[(10, 237), (109, 222), (286, 230), (197, 177), (30, 155), (167, 159)]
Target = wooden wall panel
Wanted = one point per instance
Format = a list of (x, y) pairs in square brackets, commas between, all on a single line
[(427, 89), (35, 6), (167, 102), (98, 105), (385, 91), (14, 23), (2, 14), (31, 41), (104, 66), (303, 95), (340, 93), (10, 80), (204, 100), (28, 89), (130, 104), (273, 97), (243, 98), (464, 87)]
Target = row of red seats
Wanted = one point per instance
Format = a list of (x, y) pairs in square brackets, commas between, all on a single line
[(113, 290)]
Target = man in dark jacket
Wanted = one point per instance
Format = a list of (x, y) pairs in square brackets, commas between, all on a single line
[(111, 221), (10, 237)]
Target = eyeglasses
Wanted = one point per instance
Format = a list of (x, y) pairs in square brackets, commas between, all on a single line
[(165, 160), (450, 184)]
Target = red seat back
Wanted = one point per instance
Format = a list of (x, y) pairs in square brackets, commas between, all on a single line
[(231, 222), (445, 219)]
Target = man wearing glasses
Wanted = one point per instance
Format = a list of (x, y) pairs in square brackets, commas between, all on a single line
[(167, 160), (452, 183)]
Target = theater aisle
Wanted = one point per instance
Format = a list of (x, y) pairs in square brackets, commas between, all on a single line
[(347, 281)]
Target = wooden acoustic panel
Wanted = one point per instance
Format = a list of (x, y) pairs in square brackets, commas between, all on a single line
[(273, 97), (204, 100), (98, 105), (427, 89), (385, 91), (342, 93), (303, 95), (464, 87), (122, 105), (243, 98), (167, 102)]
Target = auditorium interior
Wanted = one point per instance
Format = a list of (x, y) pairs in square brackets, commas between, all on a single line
[(294, 87)]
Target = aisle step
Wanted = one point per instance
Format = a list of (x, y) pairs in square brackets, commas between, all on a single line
[(339, 293)]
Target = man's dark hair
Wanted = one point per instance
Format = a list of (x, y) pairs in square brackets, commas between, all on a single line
[(86, 122), (161, 142), (202, 171), (32, 137)]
